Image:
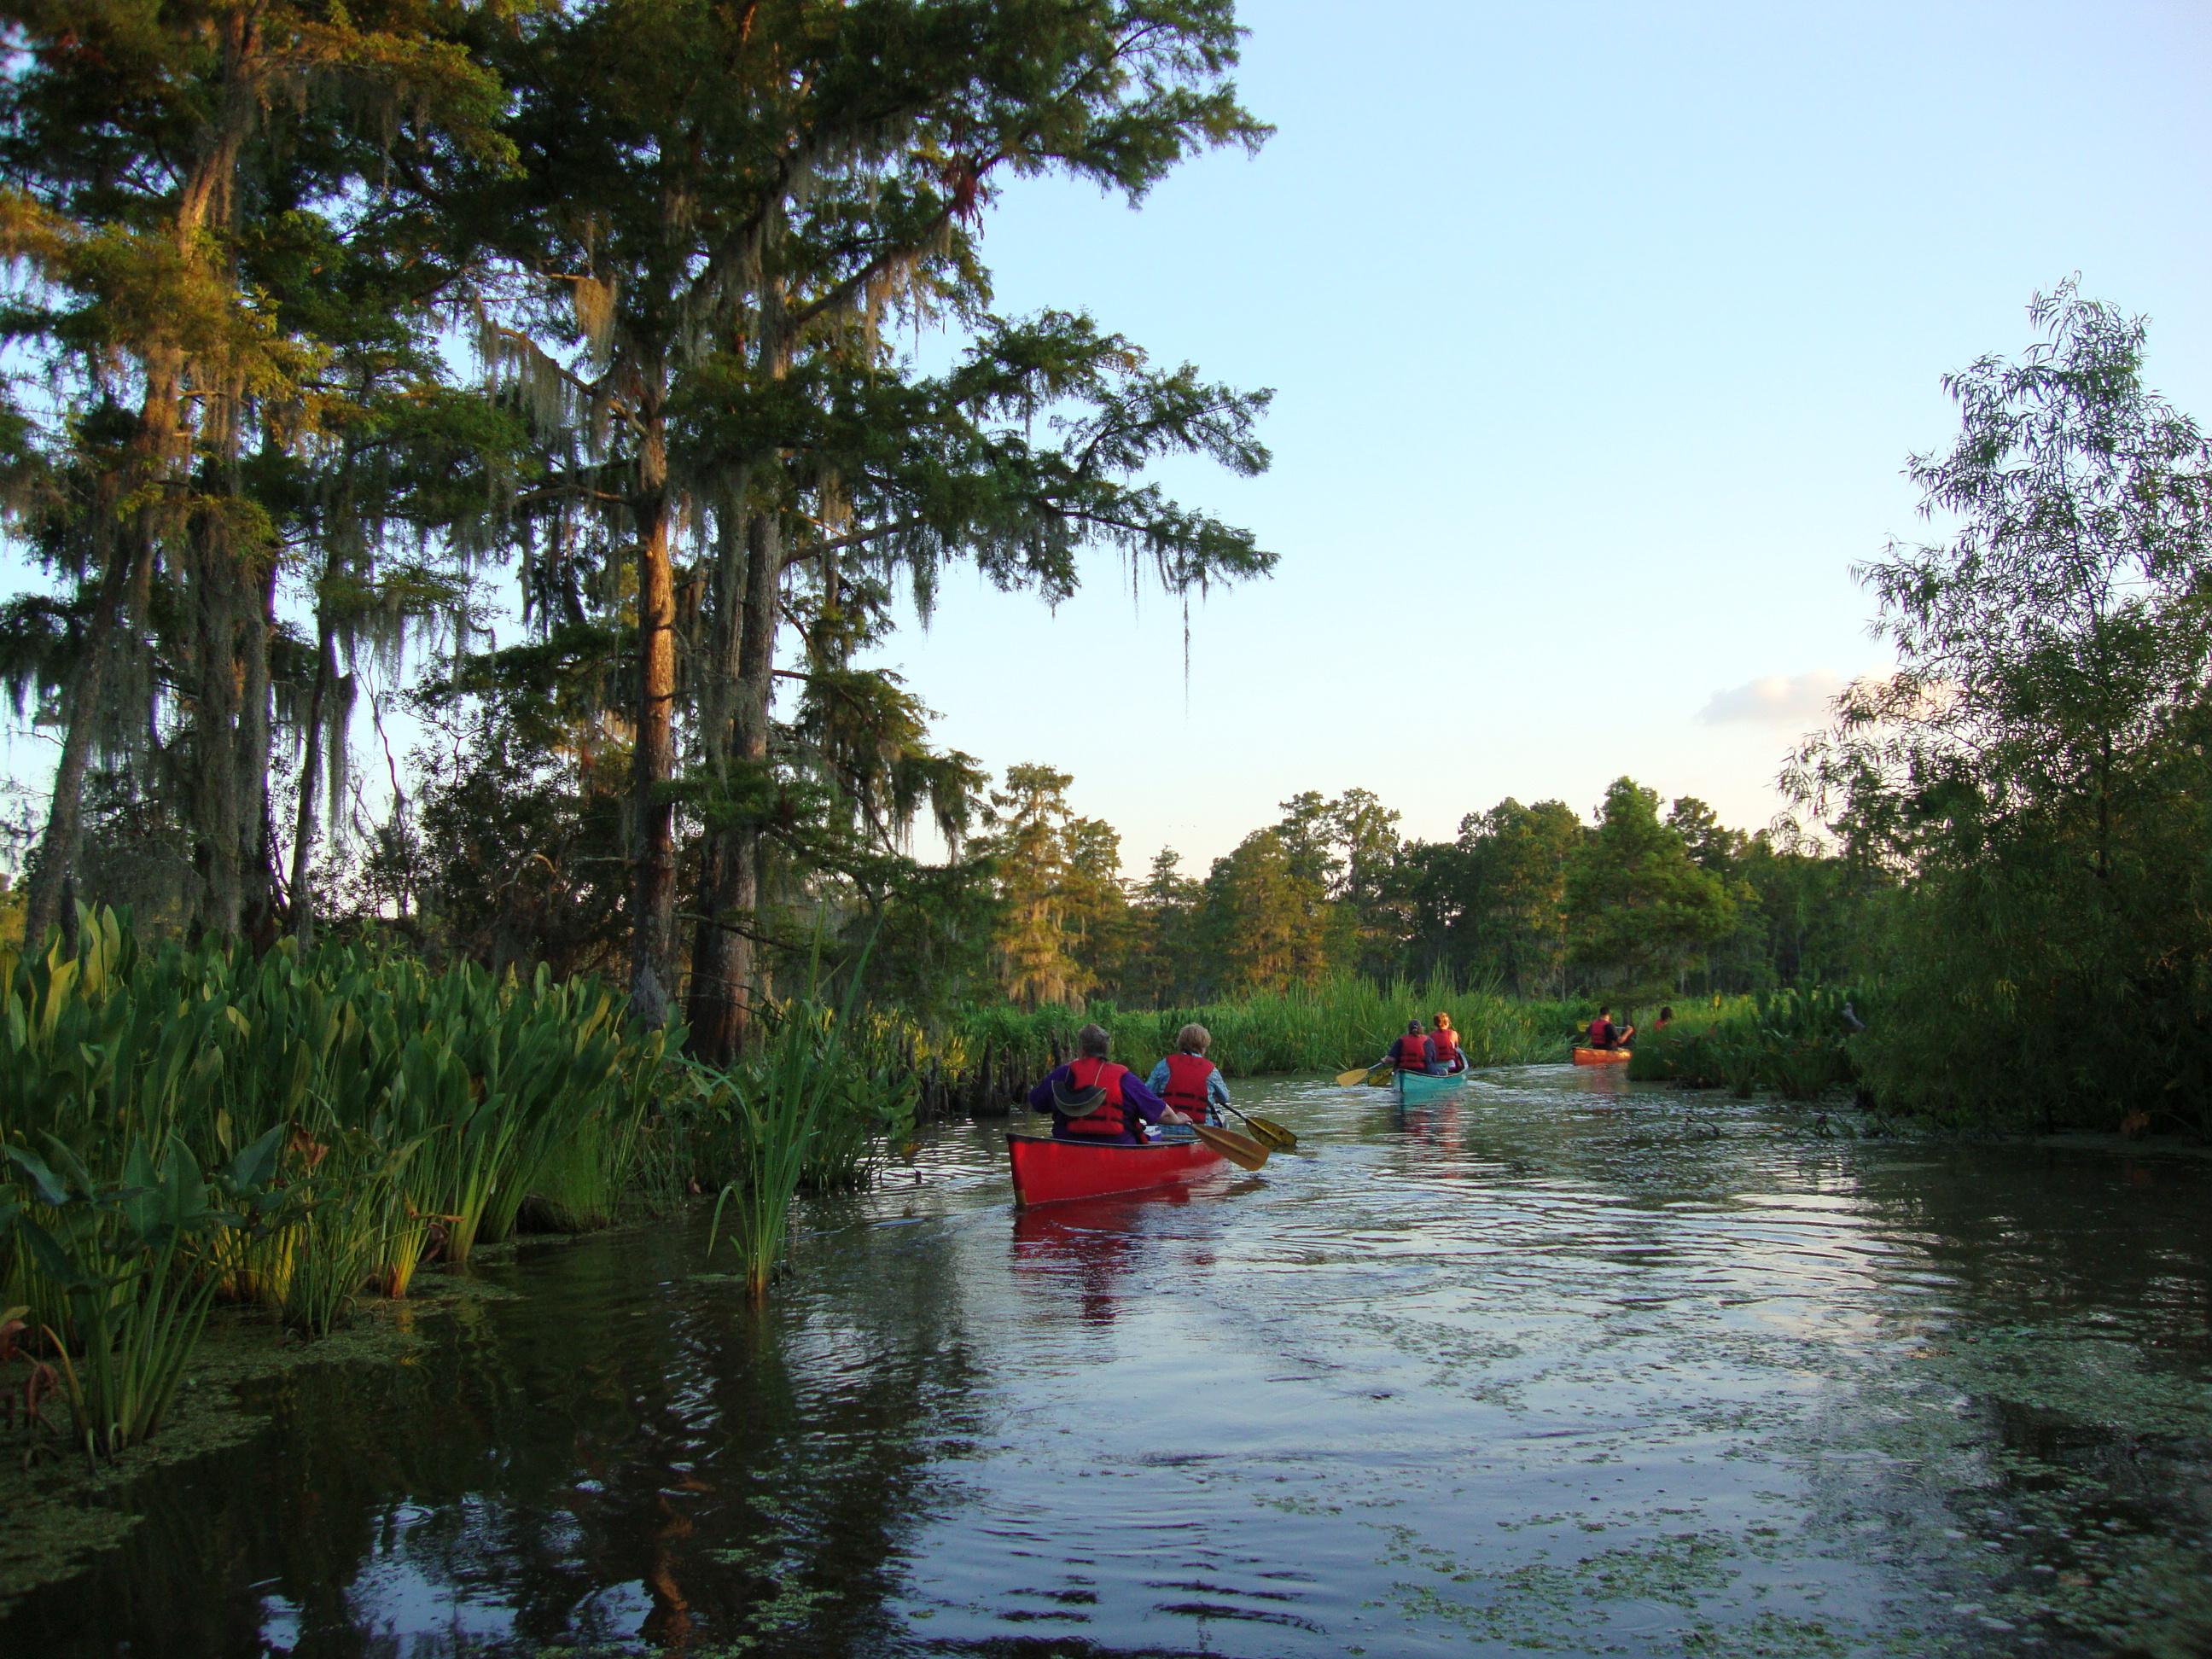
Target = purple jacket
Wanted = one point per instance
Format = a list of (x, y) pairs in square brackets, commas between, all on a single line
[(1146, 1105)]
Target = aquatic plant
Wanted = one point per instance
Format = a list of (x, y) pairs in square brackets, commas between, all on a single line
[(774, 1102), (117, 1251), (437, 1095), (801, 1110)]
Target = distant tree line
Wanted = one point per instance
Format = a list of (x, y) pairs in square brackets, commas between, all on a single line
[(1532, 900)]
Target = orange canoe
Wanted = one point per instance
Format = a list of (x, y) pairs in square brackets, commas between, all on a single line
[(1601, 1056)]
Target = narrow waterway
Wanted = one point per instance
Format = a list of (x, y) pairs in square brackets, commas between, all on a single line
[(1563, 1365)]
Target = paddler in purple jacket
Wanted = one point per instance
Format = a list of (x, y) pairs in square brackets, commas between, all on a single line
[(1091, 1098)]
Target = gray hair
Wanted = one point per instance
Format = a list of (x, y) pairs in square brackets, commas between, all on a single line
[(1090, 1042)]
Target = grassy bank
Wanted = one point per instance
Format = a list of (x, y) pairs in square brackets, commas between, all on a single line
[(1794, 1043), (982, 1058)]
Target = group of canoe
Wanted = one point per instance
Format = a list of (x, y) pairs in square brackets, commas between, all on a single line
[(1113, 1134)]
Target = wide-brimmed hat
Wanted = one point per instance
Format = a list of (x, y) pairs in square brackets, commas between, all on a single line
[(1071, 1102)]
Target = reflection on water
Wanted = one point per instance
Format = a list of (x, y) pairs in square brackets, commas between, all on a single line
[(1557, 1362)]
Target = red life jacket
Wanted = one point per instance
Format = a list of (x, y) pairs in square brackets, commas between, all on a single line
[(1111, 1116), (1446, 1045), (1602, 1033), (1410, 1053), (1186, 1090)]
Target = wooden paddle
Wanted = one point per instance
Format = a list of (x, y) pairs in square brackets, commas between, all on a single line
[(1267, 1131), (1357, 1075), (1240, 1149)]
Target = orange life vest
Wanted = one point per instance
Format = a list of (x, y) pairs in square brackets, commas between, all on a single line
[(1187, 1079), (1111, 1116), (1445, 1046)]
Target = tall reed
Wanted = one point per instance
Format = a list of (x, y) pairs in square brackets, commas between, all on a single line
[(975, 1057)]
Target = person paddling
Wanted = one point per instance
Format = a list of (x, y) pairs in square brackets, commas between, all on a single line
[(1444, 1045), (1187, 1080), (1604, 1034), (1091, 1099), (1411, 1053)]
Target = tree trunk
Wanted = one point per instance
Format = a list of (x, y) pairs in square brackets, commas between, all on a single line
[(652, 903), (219, 831), (258, 849), (310, 766), (57, 849), (723, 955)]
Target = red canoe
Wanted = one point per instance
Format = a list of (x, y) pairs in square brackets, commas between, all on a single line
[(1049, 1172)]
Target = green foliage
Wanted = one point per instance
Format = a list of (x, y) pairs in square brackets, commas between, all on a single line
[(113, 1253), (1795, 1042), (801, 1110), (1641, 908), (1491, 906), (1058, 887), (1265, 920), (2036, 770), (347, 1101)]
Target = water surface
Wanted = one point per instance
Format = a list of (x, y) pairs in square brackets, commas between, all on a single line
[(1566, 1364)]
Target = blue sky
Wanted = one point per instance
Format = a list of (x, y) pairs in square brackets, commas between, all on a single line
[(1600, 335)]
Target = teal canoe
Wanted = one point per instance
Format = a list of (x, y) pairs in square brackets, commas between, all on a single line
[(1416, 1087)]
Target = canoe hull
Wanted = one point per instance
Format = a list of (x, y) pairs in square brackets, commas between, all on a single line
[(1049, 1171), (1414, 1087), (1601, 1056)]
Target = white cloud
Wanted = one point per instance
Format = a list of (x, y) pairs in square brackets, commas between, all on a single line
[(1775, 700)]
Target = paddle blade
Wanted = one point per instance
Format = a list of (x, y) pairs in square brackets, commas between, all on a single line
[(1241, 1149), (1272, 1133), (1346, 1079), (1382, 1077)]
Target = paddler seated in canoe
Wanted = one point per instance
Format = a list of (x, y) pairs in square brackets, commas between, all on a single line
[(1091, 1098), (1604, 1034), (1443, 1046), (1411, 1052), (1187, 1080)]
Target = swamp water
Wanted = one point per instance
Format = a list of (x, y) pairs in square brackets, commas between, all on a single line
[(1564, 1364)]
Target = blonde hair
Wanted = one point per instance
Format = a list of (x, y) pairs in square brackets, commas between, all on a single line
[(1193, 1039), (1444, 1022)]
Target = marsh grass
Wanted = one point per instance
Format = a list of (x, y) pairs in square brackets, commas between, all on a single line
[(774, 1103), (404, 1102), (1333, 1026), (1791, 1043), (806, 1108)]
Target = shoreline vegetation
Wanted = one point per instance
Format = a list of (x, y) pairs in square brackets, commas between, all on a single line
[(288, 1138)]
